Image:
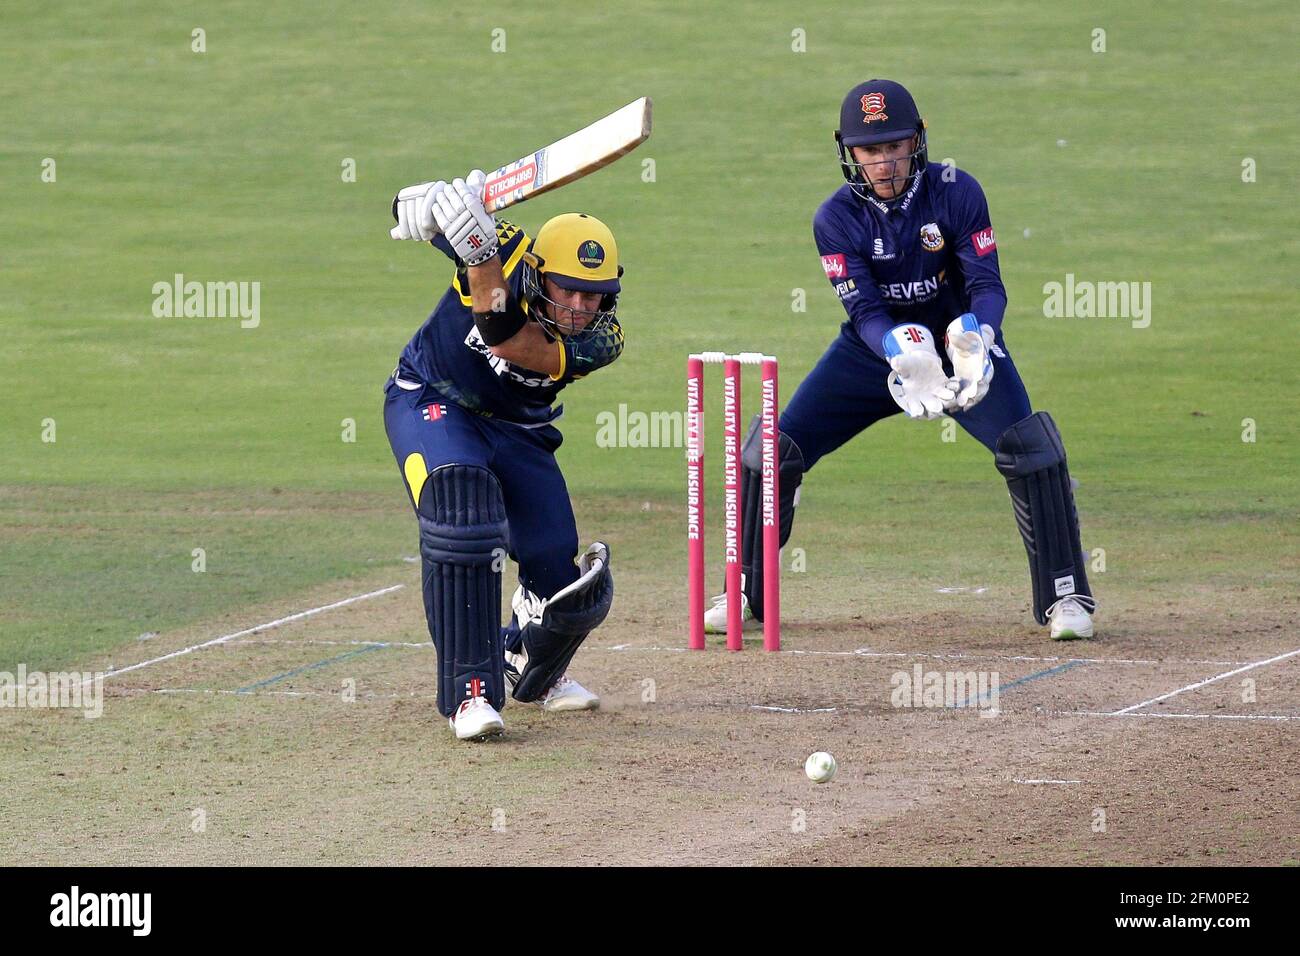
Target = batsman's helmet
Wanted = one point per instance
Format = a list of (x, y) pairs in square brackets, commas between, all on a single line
[(578, 253), (878, 111)]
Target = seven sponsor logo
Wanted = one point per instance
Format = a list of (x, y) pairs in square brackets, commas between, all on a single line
[(983, 241), (922, 290), (834, 266)]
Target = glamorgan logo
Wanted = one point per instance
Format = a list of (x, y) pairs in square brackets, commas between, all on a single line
[(75, 908), (591, 254)]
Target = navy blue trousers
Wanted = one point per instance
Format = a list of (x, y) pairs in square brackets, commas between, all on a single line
[(543, 536), (846, 393)]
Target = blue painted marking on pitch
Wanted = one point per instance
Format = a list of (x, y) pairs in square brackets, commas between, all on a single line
[(1058, 669), (310, 667)]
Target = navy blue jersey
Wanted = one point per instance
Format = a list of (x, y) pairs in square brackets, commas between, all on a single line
[(927, 257), (448, 354)]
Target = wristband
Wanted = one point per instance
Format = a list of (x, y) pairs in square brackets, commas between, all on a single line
[(497, 327), (484, 254)]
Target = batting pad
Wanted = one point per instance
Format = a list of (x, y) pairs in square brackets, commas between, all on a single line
[(462, 549)]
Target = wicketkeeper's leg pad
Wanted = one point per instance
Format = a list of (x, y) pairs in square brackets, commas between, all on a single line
[(790, 471), (1031, 456), (462, 548), (558, 625)]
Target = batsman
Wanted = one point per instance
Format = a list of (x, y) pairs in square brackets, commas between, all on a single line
[(910, 251), (470, 417)]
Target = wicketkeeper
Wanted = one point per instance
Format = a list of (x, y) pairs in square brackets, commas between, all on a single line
[(910, 251), (469, 416)]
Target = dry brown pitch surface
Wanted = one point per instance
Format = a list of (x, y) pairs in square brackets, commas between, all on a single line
[(693, 757)]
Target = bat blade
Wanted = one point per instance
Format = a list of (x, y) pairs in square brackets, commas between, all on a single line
[(578, 154)]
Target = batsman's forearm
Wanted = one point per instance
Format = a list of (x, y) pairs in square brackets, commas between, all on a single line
[(488, 290)]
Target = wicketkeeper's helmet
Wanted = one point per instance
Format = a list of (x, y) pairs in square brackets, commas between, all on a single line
[(878, 111)]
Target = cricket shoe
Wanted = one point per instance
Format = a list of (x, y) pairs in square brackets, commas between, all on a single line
[(565, 694), (476, 719), (715, 618), (1070, 618)]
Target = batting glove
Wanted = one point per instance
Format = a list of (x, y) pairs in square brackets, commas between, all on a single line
[(918, 382), (468, 226), (968, 345), (413, 210)]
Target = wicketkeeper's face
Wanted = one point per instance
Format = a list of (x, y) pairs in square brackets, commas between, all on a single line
[(571, 311), (886, 166)]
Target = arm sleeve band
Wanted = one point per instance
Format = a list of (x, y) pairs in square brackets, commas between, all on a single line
[(498, 327)]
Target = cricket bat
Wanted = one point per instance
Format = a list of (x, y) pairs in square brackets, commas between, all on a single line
[(578, 154)]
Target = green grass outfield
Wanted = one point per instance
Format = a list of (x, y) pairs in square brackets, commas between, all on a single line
[(175, 434)]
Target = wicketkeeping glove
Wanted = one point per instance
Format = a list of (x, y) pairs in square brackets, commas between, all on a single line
[(413, 210), (918, 382), (968, 345), (468, 226)]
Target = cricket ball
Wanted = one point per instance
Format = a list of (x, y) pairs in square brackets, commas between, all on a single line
[(820, 767)]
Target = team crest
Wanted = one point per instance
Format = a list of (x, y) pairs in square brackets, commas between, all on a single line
[(591, 255), (873, 107), (931, 237)]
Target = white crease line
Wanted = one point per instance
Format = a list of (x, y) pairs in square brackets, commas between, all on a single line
[(282, 693), (787, 710), (1208, 680), (1035, 782), (793, 710), (1100, 713), (248, 630), (312, 641), (866, 652)]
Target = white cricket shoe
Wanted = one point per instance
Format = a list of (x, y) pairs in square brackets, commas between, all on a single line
[(565, 694), (1070, 619), (476, 719), (715, 618)]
